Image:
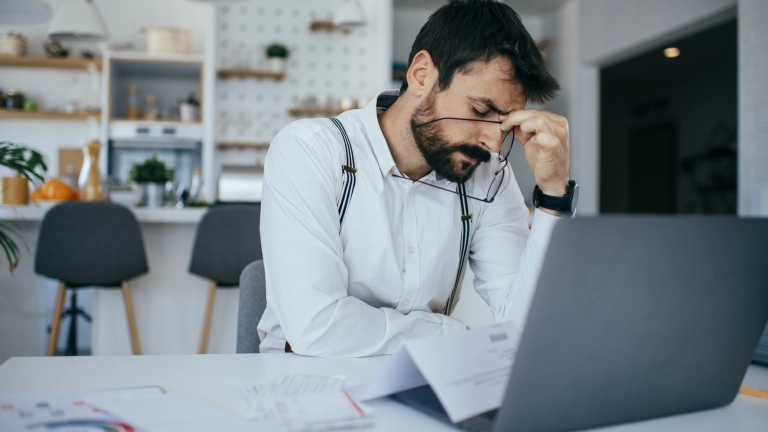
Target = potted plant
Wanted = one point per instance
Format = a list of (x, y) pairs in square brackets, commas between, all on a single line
[(276, 54), (152, 174), (29, 165)]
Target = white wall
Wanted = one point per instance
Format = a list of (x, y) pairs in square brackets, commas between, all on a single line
[(753, 108)]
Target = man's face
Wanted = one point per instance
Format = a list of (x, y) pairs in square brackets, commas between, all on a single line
[(455, 148)]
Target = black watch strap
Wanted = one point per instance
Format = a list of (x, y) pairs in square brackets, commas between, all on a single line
[(565, 204)]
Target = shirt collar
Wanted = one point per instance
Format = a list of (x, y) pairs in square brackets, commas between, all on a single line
[(376, 137), (373, 130)]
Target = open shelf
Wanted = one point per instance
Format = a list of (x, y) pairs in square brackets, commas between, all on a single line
[(318, 112), (159, 121), (242, 145), (47, 115), (250, 73), (45, 62)]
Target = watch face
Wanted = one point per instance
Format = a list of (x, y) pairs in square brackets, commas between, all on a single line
[(575, 198)]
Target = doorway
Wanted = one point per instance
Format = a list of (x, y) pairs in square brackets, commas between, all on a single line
[(668, 128)]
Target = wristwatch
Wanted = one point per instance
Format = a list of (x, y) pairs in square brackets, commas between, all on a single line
[(564, 204)]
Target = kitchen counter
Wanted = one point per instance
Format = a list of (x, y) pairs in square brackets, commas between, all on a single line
[(33, 213)]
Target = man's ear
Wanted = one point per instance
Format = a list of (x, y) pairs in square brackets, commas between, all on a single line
[(421, 75)]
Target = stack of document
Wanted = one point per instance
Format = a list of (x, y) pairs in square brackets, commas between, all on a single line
[(306, 403)]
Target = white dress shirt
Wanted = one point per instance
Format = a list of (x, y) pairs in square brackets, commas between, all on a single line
[(383, 277)]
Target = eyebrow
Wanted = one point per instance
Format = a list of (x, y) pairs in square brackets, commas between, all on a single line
[(489, 103)]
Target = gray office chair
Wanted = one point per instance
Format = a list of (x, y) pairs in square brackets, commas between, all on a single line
[(227, 240), (83, 244), (253, 301)]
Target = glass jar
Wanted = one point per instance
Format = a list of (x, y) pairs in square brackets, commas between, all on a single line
[(132, 110), (15, 99), (151, 111)]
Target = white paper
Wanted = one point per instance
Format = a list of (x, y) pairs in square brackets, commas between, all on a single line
[(468, 371), (297, 385), (305, 403), (64, 411), (170, 413), (399, 373), (313, 412)]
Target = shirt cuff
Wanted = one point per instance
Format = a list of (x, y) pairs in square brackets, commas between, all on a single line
[(542, 226), (452, 325)]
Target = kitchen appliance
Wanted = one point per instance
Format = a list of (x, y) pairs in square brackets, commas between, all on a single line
[(179, 146), (240, 183)]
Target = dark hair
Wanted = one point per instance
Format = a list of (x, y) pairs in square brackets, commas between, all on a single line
[(465, 31)]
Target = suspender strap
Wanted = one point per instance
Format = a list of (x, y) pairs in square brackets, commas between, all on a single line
[(349, 171), (466, 227)]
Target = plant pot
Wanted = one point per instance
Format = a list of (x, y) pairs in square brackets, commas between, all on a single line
[(15, 190), (153, 194), (276, 64)]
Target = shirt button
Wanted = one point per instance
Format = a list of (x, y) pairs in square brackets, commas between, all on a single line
[(411, 249), (406, 303)]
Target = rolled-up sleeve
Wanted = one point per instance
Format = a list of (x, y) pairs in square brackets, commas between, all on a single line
[(306, 277)]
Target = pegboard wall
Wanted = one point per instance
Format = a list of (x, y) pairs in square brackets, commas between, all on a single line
[(324, 66)]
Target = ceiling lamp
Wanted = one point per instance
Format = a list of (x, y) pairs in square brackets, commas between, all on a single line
[(78, 19), (349, 15), (671, 52), (24, 12)]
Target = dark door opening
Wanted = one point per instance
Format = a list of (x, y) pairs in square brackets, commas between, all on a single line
[(668, 128), (652, 169)]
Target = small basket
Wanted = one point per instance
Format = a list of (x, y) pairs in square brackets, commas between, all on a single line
[(167, 40)]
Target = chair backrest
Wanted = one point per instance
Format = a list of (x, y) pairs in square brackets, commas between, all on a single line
[(227, 240), (253, 301), (90, 243)]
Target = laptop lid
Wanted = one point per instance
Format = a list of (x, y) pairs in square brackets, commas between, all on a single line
[(639, 317)]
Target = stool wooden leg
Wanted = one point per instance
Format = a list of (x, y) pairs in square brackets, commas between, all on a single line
[(208, 317), (58, 306), (131, 318)]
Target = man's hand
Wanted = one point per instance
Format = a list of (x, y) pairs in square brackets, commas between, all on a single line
[(545, 142)]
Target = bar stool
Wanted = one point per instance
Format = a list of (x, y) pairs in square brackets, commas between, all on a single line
[(83, 244), (227, 240)]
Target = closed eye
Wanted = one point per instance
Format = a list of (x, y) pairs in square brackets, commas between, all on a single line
[(478, 113)]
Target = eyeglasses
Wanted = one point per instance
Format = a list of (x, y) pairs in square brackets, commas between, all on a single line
[(498, 174)]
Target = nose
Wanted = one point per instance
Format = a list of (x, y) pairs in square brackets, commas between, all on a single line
[(491, 137)]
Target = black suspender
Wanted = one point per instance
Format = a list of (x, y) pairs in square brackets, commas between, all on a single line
[(348, 187), (349, 171), (466, 228)]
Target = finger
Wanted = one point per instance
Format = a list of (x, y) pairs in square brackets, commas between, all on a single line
[(520, 136), (516, 118), (548, 144), (537, 124)]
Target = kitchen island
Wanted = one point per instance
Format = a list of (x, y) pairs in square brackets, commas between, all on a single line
[(169, 301)]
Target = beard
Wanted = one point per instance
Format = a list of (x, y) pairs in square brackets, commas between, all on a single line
[(440, 154)]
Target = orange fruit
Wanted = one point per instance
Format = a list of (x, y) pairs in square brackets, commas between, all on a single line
[(56, 189), (37, 194)]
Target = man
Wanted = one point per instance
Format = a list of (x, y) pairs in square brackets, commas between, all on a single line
[(367, 222)]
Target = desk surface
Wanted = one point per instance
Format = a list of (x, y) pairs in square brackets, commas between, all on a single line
[(218, 380)]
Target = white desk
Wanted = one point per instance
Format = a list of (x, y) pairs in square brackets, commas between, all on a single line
[(218, 380)]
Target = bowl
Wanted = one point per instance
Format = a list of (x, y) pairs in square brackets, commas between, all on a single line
[(128, 198)]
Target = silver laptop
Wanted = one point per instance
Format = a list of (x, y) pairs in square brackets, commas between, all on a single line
[(633, 318)]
